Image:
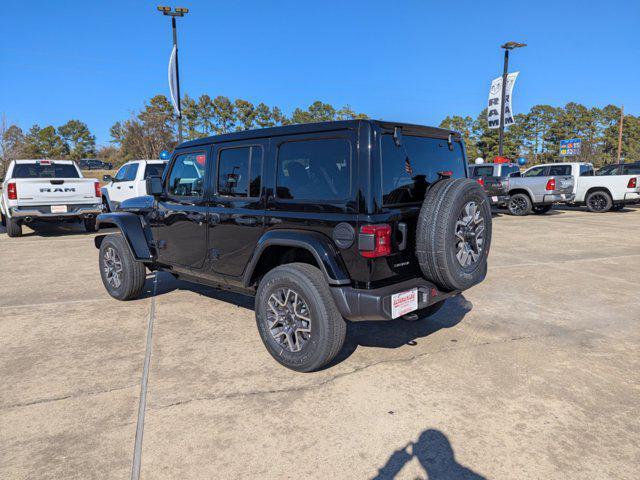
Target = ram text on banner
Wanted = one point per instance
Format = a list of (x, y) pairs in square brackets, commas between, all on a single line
[(495, 94)]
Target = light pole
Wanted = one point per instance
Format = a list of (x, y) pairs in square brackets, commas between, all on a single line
[(507, 46), (177, 12)]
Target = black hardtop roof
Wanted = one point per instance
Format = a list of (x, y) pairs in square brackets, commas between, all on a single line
[(313, 128)]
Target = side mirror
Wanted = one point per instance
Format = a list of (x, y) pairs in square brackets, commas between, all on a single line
[(107, 178), (154, 186)]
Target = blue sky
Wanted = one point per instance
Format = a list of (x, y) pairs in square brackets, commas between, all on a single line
[(417, 62)]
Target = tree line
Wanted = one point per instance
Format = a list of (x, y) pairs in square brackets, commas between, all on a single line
[(535, 135)]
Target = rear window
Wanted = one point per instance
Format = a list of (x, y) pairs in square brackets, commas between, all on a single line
[(37, 170), (154, 170), (555, 170), (483, 171), (409, 169)]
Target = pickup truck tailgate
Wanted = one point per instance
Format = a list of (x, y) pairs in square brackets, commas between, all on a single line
[(564, 184), (41, 191)]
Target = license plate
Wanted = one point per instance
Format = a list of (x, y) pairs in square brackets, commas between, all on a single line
[(58, 209), (494, 199), (404, 302)]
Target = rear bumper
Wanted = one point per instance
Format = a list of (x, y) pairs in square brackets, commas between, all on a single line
[(498, 199), (43, 212), (375, 304), (558, 198), (632, 197)]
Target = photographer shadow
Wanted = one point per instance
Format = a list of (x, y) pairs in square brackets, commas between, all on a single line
[(435, 455)]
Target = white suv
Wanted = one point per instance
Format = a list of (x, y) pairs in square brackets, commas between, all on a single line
[(129, 181)]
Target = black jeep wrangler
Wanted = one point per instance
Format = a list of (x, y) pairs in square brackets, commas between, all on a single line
[(322, 223)]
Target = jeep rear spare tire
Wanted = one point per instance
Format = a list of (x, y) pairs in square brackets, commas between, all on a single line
[(454, 234)]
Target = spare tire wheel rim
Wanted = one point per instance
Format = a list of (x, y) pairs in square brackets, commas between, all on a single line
[(289, 319), (112, 267), (469, 235), (597, 201), (518, 205)]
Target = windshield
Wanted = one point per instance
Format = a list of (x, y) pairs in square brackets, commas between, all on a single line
[(409, 169), (52, 170)]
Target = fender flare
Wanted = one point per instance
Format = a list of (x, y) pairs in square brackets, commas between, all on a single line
[(320, 246), (137, 236)]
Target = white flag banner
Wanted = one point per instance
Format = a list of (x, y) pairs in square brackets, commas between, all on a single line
[(173, 79), (495, 97)]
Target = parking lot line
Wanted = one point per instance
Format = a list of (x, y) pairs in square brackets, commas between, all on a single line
[(137, 450)]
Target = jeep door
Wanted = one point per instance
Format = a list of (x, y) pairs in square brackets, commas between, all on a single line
[(179, 224), (237, 206)]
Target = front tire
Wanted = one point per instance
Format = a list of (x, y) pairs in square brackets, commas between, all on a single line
[(297, 318), (14, 227), (599, 201), (121, 275), (519, 205)]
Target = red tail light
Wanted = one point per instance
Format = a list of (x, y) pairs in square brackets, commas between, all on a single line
[(633, 183), (551, 184), (12, 191), (481, 181), (96, 185), (375, 241)]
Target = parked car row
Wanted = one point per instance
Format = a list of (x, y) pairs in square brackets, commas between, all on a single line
[(540, 187), (56, 191), (93, 164)]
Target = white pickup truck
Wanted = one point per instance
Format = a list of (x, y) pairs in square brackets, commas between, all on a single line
[(598, 193), (52, 190), (129, 181)]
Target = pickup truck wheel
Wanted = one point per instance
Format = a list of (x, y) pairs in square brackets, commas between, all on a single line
[(297, 318), (519, 204), (14, 227), (617, 207), (90, 224), (453, 235), (599, 201), (542, 209), (122, 276)]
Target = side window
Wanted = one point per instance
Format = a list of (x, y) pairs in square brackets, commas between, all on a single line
[(187, 174), (240, 171), (586, 171), (130, 174), (534, 172), (120, 175), (314, 169), (555, 170), (632, 170), (154, 170)]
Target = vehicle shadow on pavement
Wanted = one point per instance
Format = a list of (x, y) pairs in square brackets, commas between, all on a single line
[(398, 333), (168, 283), (36, 229), (434, 453)]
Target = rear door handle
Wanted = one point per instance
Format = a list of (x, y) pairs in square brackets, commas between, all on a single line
[(131, 187)]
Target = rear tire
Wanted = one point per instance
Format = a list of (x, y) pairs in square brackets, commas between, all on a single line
[(598, 201), (617, 207), (297, 318), (14, 227), (453, 236), (542, 209), (121, 275), (519, 205)]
